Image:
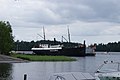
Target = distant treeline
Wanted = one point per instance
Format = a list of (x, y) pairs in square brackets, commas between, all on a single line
[(26, 46), (110, 47)]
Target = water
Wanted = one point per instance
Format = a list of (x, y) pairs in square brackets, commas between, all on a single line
[(43, 70)]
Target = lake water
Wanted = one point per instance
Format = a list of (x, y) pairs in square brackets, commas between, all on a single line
[(43, 70)]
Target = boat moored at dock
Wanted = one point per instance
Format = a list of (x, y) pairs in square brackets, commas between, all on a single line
[(109, 74), (72, 76)]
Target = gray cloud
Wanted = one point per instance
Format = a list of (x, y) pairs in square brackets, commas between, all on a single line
[(88, 18), (55, 12), (87, 10)]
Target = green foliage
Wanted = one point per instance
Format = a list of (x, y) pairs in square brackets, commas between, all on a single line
[(6, 38), (43, 58), (23, 45), (110, 47), (26, 46)]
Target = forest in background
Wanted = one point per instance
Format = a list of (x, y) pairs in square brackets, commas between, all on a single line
[(109, 47), (26, 46)]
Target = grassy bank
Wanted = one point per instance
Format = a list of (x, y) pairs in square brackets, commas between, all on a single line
[(43, 58)]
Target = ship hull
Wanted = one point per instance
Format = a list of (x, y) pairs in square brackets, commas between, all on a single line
[(77, 52), (90, 54)]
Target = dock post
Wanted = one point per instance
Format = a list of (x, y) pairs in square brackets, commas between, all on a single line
[(25, 76)]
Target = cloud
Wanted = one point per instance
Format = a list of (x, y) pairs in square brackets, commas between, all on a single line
[(107, 10), (86, 10), (86, 18), (111, 31), (52, 12)]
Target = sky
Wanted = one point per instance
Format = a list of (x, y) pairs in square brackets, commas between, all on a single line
[(96, 21)]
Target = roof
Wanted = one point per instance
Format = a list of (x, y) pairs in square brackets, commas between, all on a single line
[(72, 76)]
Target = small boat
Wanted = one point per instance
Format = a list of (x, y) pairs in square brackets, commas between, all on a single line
[(90, 51), (72, 76), (108, 74)]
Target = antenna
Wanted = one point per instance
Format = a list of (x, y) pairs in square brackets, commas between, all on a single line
[(68, 33), (43, 33)]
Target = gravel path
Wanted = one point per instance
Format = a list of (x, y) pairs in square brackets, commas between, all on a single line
[(8, 59)]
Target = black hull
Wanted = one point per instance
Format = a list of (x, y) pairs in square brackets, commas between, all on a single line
[(75, 52), (91, 54)]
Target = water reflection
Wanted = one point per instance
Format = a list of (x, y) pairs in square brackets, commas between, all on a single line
[(43, 70), (5, 71)]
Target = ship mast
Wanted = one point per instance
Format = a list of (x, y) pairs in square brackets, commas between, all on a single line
[(44, 33), (68, 34), (43, 37)]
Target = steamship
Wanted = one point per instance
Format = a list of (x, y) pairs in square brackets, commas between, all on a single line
[(62, 49)]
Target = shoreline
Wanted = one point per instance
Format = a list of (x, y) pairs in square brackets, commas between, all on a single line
[(43, 57), (9, 59)]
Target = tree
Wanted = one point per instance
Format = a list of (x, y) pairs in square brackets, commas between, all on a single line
[(6, 38)]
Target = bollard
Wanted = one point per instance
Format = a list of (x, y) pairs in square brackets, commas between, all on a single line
[(25, 76)]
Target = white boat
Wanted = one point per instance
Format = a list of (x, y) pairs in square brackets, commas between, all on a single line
[(90, 51), (108, 74)]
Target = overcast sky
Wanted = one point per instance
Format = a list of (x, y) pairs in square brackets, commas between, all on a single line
[(96, 21)]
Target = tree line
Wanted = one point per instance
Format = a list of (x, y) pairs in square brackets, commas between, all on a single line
[(109, 47), (26, 46)]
